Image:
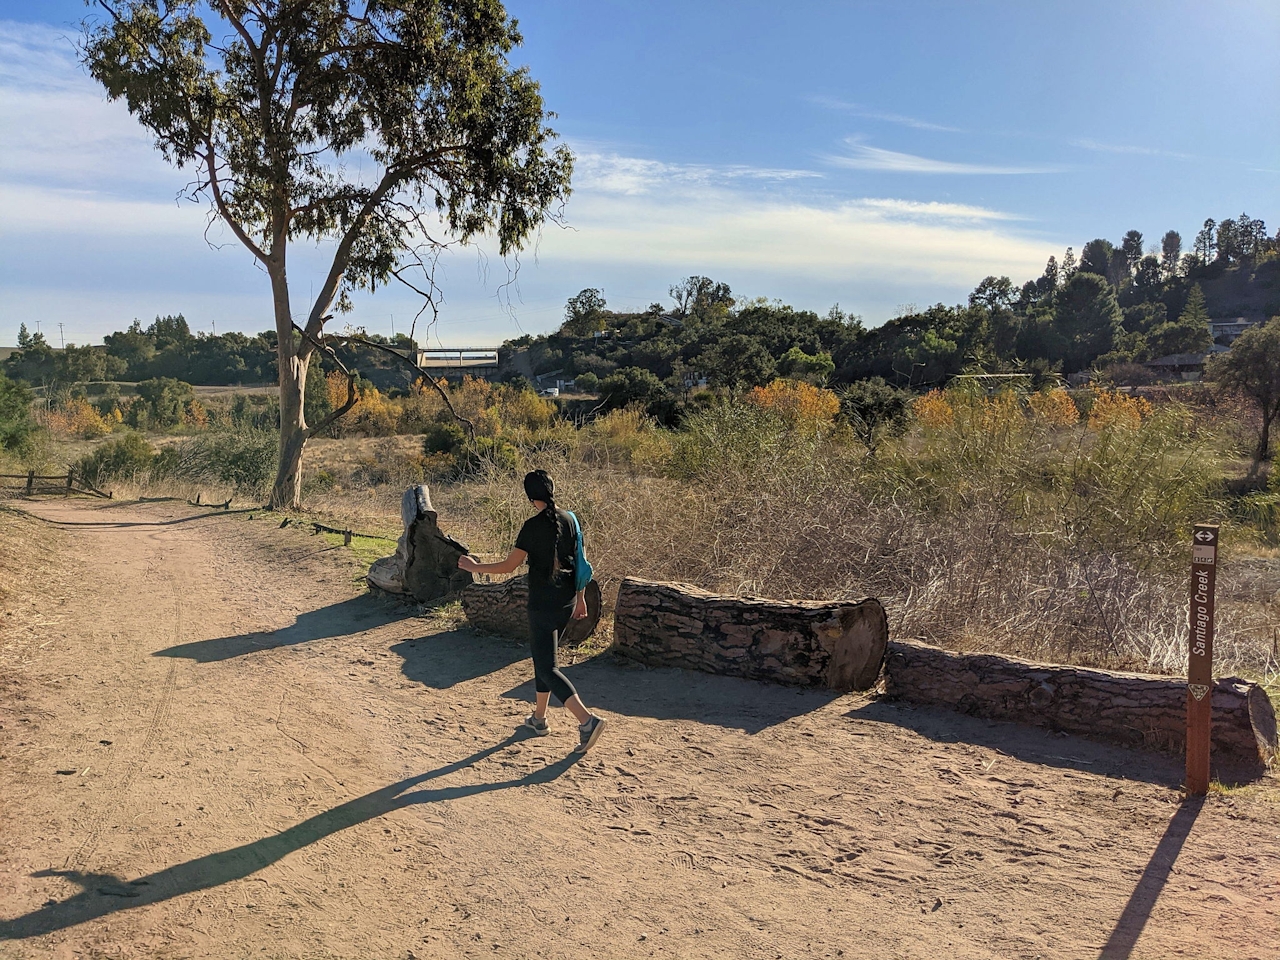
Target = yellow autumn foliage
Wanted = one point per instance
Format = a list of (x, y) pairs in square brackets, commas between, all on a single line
[(934, 410), (798, 402), (1111, 408), (1054, 408)]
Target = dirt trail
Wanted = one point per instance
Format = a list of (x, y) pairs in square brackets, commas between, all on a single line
[(223, 748)]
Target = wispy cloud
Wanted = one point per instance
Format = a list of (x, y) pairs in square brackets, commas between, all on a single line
[(1098, 147), (931, 210), (863, 157), (858, 110), (614, 173), (81, 176)]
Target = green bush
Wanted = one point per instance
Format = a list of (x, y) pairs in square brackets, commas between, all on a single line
[(161, 403), (245, 459), (727, 439), (121, 459), (487, 455), (16, 425), (443, 437)]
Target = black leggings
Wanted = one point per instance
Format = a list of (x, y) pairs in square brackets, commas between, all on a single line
[(545, 627)]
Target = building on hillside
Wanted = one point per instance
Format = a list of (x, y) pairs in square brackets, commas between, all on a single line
[(1183, 366), (1227, 330)]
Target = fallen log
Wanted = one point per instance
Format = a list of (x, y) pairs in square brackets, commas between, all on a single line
[(501, 608), (839, 645), (1128, 708)]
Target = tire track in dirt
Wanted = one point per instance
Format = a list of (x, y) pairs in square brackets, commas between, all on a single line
[(79, 859)]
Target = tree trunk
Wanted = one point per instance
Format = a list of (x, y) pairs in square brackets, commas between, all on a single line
[(1127, 708), (502, 608), (839, 645), (286, 493)]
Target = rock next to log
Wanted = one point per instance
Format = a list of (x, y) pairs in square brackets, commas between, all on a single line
[(804, 642), (432, 570), (502, 608), (425, 564), (1127, 708)]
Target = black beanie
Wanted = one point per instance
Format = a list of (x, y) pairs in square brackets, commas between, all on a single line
[(538, 485)]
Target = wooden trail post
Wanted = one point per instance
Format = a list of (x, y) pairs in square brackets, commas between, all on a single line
[(1204, 556)]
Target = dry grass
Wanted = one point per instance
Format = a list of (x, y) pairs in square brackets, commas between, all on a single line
[(992, 530)]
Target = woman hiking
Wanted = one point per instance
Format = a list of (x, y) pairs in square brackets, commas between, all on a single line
[(549, 541)]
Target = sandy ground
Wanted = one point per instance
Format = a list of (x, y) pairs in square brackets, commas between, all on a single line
[(215, 744)]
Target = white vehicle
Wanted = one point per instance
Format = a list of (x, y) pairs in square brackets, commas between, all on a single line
[(550, 392)]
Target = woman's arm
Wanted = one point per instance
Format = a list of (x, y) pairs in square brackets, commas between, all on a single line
[(580, 611), (509, 565)]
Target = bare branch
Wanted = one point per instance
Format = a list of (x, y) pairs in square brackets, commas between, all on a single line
[(210, 160), (471, 427), (353, 396)]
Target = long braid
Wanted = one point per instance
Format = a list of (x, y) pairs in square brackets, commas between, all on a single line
[(550, 514)]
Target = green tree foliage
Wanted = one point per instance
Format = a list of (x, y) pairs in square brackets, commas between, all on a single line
[(1252, 367), (584, 314), (1170, 254), (161, 403), (270, 103), (1131, 246), (874, 410), (1096, 257), (587, 382), (1086, 319), (798, 365), (701, 297), (632, 385), (738, 362), (35, 362), (16, 425)]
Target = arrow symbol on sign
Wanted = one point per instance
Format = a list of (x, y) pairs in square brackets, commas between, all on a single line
[(1203, 535)]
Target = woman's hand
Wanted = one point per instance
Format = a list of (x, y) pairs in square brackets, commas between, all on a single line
[(580, 607), (468, 563)]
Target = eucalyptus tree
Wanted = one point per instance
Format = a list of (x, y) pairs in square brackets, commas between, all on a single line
[(384, 130)]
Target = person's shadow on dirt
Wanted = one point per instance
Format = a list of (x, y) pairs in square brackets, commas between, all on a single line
[(672, 693), (443, 660), (103, 894), (356, 615)]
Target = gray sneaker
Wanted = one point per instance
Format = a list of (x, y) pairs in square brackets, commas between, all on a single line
[(588, 735), (538, 727)]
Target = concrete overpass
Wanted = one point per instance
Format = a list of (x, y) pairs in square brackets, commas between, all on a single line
[(457, 362)]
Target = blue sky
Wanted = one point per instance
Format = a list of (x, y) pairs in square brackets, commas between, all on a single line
[(872, 154)]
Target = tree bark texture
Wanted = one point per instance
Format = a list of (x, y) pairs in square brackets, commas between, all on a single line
[(838, 645), (286, 492), (1127, 708), (425, 564), (501, 608)]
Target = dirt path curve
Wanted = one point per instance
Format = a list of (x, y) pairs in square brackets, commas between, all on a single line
[(222, 748)]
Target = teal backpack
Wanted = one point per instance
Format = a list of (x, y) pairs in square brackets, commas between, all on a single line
[(582, 572)]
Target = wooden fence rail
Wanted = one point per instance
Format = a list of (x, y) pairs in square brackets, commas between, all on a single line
[(67, 484)]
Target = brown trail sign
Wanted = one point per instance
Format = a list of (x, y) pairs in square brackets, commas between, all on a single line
[(1204, 556)]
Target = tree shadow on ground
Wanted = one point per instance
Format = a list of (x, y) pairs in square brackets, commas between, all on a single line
[(356, 615), (670, 693), (127, 524), (1023, 742), (443, 660), (104, 894)]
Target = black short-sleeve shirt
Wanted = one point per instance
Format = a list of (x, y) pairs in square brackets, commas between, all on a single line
[(549, 587)]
